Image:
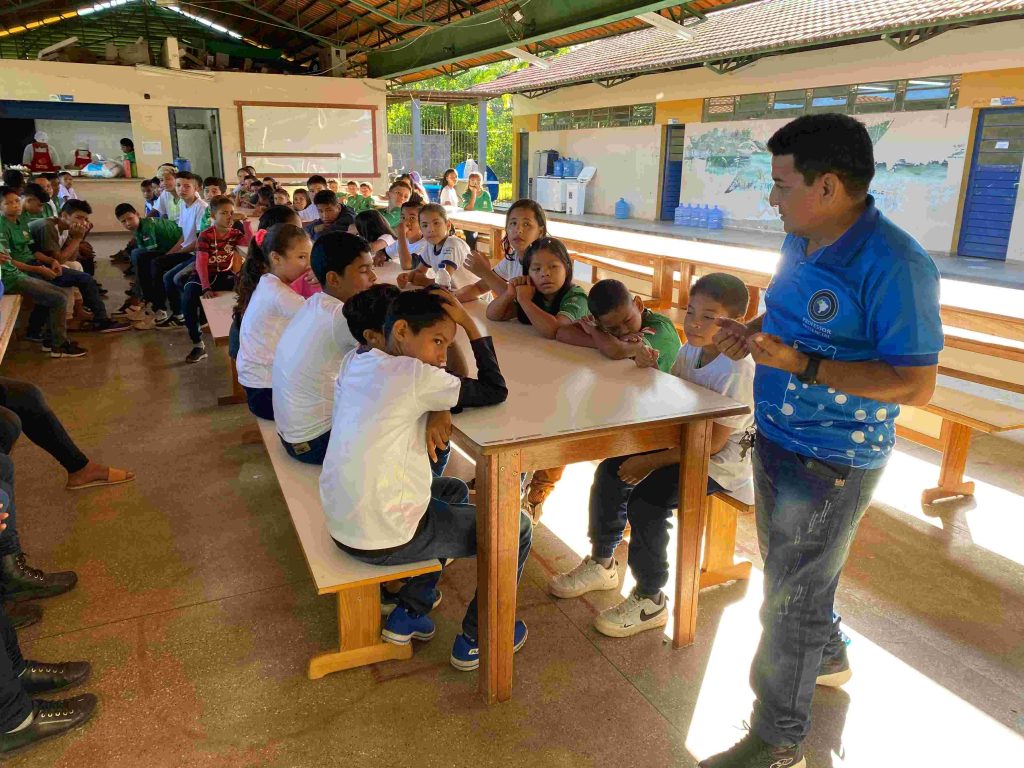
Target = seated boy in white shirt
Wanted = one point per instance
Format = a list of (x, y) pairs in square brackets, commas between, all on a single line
[(443, 252), (381, 503), (309, 354), (643, 490), (410, 237)]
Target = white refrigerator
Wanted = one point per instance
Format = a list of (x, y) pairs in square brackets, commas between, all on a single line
[(550, 192)]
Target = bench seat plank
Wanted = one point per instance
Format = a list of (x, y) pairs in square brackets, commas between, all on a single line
[(982, 408)]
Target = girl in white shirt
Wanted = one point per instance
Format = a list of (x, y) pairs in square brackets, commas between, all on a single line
[(525, 222), (266, 304), (374, 229), (449, 196)]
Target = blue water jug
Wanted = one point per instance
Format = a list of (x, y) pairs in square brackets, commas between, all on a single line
[(716, 218), (184, 165), (579, 168), (622, 209), (567, 167), (558, 167), (679, 217), (688, 217), (702, 217)]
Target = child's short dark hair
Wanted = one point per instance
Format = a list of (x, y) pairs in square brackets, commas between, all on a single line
[(265, 195), (325, 197), (728, 290), (400, 183), (219, 201), (5, 191), (14, 178), (184, 175), (607, 296), (351, 183), (420, 309), (334, 251), (214, 181), (434, 208), (368, 310), (316, 179), (76, 206), (34, 190), (48, 175), (123, 208), (64, 173), (148, 183), (414, 202)]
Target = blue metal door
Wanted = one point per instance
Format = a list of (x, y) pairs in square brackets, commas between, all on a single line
[(993, 184), (672, 177)]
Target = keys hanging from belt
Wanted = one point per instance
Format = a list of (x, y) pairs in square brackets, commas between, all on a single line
[(747, 442)]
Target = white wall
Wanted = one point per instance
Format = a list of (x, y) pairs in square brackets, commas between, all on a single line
[(622, 156)]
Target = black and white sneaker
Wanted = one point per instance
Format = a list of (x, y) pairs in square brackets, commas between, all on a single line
[(754, 752), (834, 671), (112, 326), (68, 349), (172, 322), (633, 615), (198, 353)]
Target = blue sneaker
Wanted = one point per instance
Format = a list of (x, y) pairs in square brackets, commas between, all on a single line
[(466, 652), (401, 627), (389, 601)]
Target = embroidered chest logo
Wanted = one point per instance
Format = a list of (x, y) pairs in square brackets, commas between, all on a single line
[(823, 306)]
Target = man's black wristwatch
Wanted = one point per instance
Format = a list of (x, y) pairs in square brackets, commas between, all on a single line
[(810, 372)]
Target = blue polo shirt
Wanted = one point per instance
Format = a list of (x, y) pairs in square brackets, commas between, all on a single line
[(871, 295)]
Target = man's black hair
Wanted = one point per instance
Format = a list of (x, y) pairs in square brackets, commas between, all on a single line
[(828, 143)]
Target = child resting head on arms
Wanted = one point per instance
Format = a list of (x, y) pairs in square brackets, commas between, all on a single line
[(443, 253), (620, 327), (525, 223), (267, 304), (544, 296)]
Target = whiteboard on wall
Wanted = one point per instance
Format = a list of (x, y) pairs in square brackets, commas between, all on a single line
[(339, 137)]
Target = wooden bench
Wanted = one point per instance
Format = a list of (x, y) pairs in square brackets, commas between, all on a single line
[(963, 406), (10, 305), (356, 584), (219, 311), (718, 565)]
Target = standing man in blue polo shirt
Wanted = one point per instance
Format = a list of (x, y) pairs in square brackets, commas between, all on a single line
[(851, 331)]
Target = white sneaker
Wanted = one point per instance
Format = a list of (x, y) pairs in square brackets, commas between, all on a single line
[(633, 615), (162, 315), (588, 576)]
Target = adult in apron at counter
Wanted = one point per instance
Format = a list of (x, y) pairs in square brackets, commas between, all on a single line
[(39, 156)]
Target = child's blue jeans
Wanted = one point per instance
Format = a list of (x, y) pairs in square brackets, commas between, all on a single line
[(447, 530), (648, 508), (807, 514)]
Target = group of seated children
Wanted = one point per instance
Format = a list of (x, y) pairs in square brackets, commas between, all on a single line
[(40, 257), (362, 378)]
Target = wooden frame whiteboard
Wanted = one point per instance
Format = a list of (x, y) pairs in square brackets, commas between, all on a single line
[(294, 140)]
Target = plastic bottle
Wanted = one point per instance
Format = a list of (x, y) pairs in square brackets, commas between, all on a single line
[(622, 209), (443, 278), (558, 167), (702, 216), (679, 216), (716, 218)]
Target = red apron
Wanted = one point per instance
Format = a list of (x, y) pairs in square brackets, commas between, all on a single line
[(41, 159), (82, 158)]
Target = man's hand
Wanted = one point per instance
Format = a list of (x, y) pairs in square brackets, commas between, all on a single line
[(478, 264), (634, 469), (439, 432), (731, 338), (646, 357), (768, 349), (5, 258)]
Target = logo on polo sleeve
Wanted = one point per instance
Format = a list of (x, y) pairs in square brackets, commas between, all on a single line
[(823, 306)]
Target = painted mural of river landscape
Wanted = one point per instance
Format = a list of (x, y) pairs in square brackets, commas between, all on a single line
[(919, 165)]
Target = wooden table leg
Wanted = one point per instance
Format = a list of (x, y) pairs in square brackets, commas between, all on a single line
[(693, 481), (237, 395), (497, 493), (956, 441)]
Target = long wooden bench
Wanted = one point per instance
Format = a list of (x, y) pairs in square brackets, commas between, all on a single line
[(10, 305), (356, 584), (218, 311)]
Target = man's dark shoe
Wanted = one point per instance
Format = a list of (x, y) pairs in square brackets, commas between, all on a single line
[(50, 718), (754, 752), (23, 614), (20, 581), (40, 677), (835, 671)]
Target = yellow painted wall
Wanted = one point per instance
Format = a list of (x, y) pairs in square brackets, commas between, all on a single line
[(682, 110), (148, 94)]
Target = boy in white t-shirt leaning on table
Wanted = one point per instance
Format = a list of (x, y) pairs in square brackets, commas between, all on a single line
[(643, 490), (442, 252)]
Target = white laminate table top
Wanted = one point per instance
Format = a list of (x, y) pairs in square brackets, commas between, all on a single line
[(219, 311), (556, 389)]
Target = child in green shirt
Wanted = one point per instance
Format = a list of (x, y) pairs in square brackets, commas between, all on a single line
[(398, 195)]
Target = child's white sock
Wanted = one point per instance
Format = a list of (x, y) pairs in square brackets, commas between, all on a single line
[(604, 562)]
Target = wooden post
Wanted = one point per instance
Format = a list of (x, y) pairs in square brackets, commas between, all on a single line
[(956, 441), (497, 487), (695, 439)]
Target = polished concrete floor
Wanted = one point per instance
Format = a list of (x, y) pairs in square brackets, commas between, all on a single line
[(197, 611)]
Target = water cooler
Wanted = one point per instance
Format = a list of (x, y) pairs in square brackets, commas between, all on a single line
[(576, 191)]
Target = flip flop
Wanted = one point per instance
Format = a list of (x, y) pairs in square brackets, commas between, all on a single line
[(114, 477)]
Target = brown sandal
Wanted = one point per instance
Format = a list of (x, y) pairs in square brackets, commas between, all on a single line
[(114, 477)]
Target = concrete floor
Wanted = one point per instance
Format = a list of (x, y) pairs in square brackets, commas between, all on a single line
[(197, 611)]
